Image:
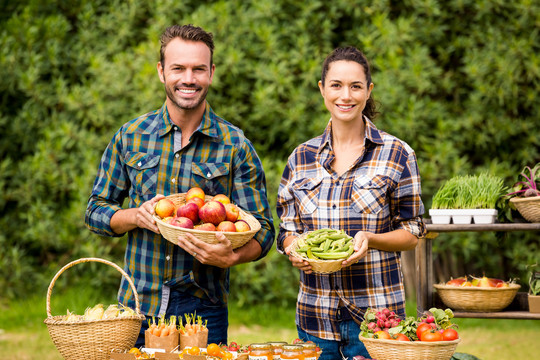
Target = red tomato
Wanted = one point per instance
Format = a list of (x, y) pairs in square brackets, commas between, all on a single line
[(382, 335), (431, 335), (400, 337), (421, 328), (450, 334)]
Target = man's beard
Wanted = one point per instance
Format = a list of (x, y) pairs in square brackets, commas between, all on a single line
[(186, 104)]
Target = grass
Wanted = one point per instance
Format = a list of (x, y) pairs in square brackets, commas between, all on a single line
[(24, 336)]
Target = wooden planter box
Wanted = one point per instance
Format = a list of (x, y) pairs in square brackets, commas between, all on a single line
[(534, 303)]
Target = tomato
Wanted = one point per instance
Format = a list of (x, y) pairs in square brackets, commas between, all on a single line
[(213, 350), (400, 337), (431, 335), (421, 328), (194, 350), (450, 334), (382, 335)]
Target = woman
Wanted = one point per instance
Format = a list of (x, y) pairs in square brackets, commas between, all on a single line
[(359, 179)]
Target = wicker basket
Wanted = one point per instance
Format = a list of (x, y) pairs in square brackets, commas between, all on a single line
[(478, 299), (382, 349), (528, 207), (93, 339), (317, 266), (237, 239)]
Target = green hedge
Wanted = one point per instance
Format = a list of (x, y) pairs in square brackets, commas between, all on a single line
[(456, 79)]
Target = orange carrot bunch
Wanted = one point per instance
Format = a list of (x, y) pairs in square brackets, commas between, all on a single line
[(163, 327), (193, 325)]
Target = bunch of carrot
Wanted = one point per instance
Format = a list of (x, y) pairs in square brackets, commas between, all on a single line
[(193, 325), (163, 327)]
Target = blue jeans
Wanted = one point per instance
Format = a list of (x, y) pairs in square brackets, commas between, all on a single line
[(349, 346), (181, 303)]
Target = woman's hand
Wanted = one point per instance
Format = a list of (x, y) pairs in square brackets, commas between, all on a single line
[(298, 263), (361, 244)]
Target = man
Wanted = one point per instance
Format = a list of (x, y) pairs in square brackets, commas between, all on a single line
[(182, 145)]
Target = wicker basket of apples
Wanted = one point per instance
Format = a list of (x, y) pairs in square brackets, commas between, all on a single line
[(477, 294), (202, 215)]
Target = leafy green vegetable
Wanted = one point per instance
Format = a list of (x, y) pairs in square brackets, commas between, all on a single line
[(469, 192)]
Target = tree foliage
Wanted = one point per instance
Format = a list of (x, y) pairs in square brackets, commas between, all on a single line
[(456, 79)]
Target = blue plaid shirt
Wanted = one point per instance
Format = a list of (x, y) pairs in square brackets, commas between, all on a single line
[(379, 193), (141, 162)]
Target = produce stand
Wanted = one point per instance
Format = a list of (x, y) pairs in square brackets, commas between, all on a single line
[(427, 298)]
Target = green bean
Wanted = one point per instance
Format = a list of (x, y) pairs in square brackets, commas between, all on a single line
[(331, 256)]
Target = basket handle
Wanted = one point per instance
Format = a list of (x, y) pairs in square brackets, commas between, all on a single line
[(84, 260)]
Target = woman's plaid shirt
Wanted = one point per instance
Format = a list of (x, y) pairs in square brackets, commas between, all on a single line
[(379, 193)]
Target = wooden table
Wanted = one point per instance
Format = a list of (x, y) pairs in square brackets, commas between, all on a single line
[(424, 271)]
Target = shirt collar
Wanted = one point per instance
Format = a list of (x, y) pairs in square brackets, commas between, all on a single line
[(207, 125), (371, 133)]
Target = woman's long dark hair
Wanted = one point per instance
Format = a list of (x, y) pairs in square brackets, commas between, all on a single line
[(350, 53)]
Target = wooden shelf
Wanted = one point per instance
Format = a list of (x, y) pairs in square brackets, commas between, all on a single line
[(482, 227), (426, 297), (524, 315)]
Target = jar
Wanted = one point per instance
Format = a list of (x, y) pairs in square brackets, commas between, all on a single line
[(262, 351), (310, 351), (277, 348), (293, 352)]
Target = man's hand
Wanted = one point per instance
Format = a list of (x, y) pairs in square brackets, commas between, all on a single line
[(128, 219), (220, 254)]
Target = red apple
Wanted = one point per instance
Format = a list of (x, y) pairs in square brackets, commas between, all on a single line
[(213, 212), (232, 212), (195, 192), (189, 210), (196, 200), (456, 282), (226, 226), (224, 199), (205, 227), (165, 208), (484, 281), (182, 222), (242, 225)]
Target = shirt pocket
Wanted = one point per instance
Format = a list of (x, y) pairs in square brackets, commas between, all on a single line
[(369, 194), (306, 192), (213, 178), (143, 172)]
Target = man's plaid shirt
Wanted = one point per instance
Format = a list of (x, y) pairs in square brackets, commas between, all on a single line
[(140, 162)]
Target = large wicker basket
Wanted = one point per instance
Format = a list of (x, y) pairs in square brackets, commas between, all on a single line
[(480, 299), (528, 207), (317, 266), (382, 349), (93, 339), (237, 239)]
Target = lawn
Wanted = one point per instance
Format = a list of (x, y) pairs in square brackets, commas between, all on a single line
[(23, 336)]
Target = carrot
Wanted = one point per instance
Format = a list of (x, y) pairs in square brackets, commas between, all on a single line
[(165, 331)]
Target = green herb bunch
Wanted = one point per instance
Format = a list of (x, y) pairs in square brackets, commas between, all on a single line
[(469, 192)]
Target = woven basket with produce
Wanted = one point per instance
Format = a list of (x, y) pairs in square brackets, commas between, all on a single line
[(388, 337), (324, 249), (100, 330), (477, 294), (202, 215), (525, 195)]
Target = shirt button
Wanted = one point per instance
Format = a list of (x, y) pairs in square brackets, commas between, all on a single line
[(208, 175), (175, 128), (173, 180), (139, 164), (334, 206), (168, 257), (177, 156)]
